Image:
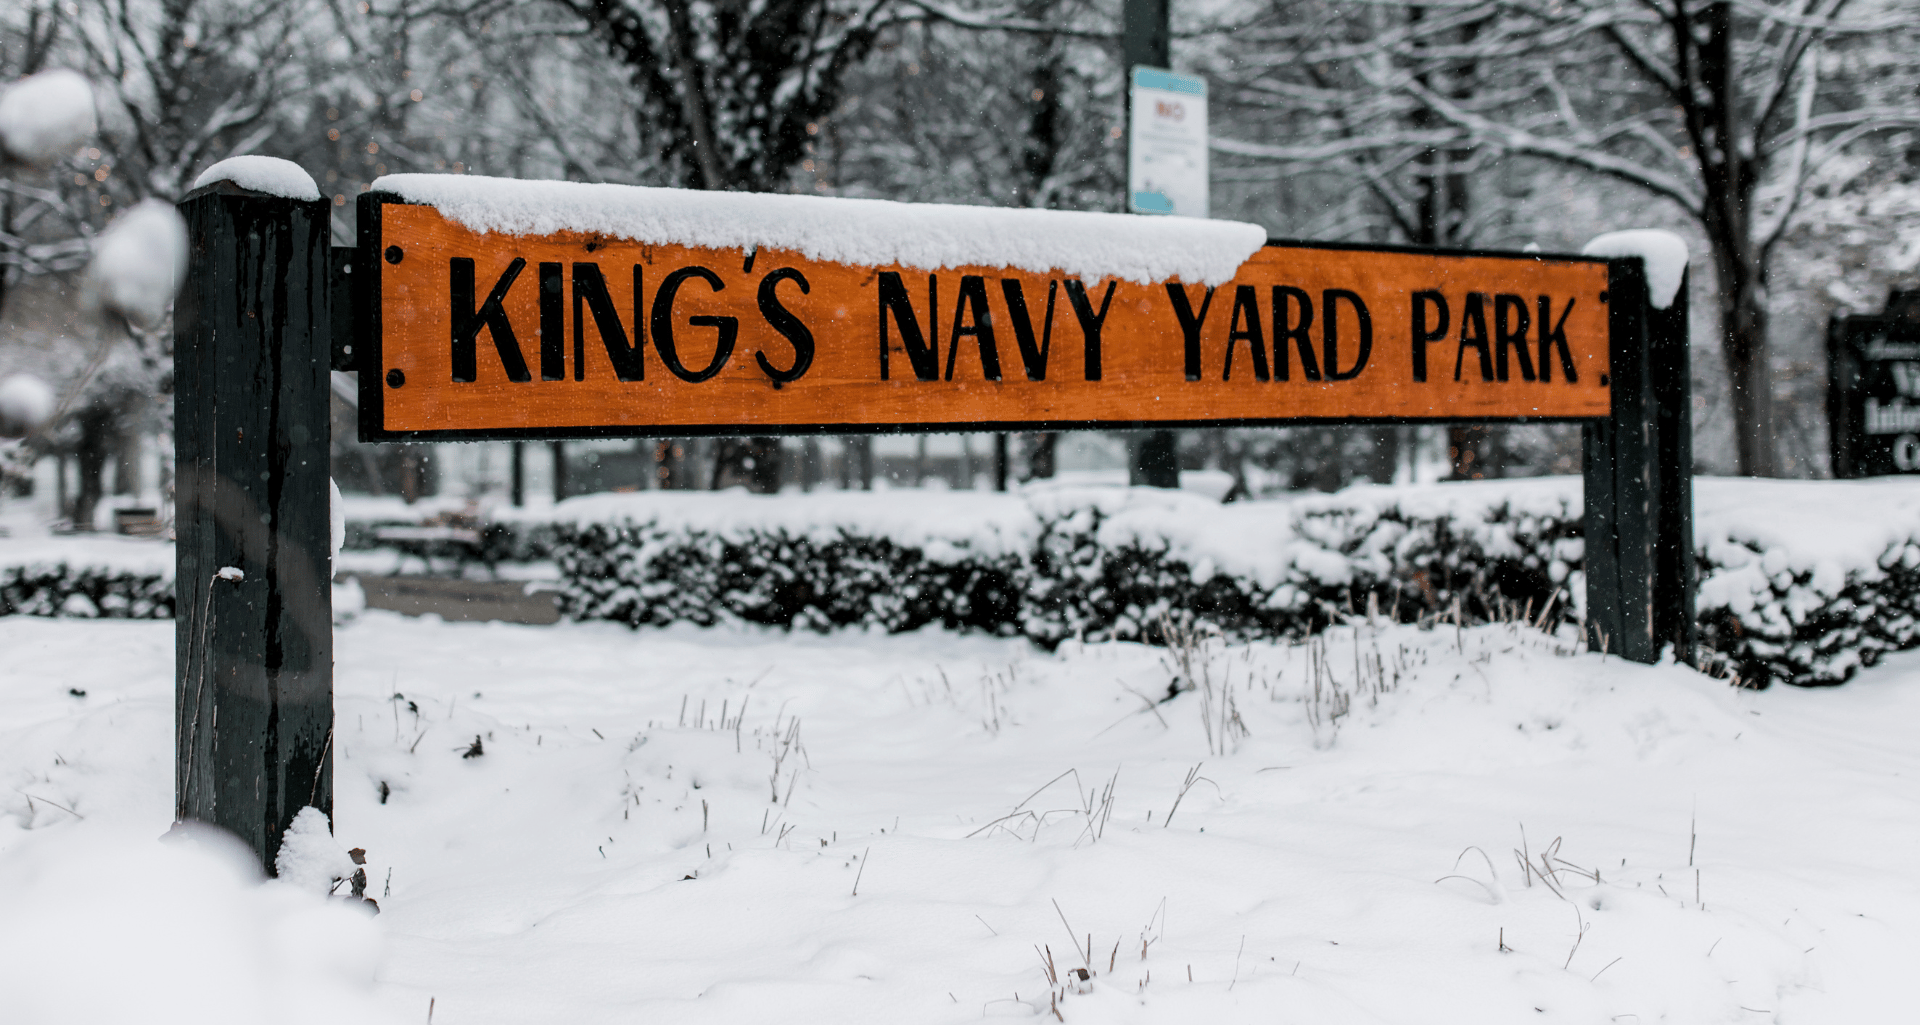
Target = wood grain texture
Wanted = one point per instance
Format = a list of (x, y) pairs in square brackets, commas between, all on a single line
[(1149, 371)]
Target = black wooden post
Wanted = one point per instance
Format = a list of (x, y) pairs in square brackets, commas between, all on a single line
[(1671, 372), (1639, 479), (1843, 379), (254, 634)]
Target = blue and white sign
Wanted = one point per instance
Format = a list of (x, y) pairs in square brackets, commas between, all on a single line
[(1167, 144)]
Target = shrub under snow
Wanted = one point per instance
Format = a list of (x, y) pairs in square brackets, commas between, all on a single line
[(1799, 581), (1054, 564)]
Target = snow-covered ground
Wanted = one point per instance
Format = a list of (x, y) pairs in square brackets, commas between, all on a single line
[(672, 825)]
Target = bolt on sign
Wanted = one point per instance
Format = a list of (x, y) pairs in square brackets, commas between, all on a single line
[(486, 334)]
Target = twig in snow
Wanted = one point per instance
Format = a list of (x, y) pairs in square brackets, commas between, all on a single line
[(1193, 776), (1070, 936), (30, 799), (863, 871), (1581, 935)]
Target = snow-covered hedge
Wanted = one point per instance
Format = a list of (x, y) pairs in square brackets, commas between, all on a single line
[(1807, 581), (1800, 581), (88, 578), (895, 562), (1091, 563)]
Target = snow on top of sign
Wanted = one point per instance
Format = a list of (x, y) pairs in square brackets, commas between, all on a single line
[(271, 175), (1664, 252), (43, 117), (869, 232)]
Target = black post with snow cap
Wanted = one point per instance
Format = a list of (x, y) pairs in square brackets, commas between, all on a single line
[(254, 633), (1638, 468)]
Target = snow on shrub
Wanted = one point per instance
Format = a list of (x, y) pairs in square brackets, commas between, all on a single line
[(1807, 581), (1060, 563), (896, 563), (88, 578), (1799, 581)]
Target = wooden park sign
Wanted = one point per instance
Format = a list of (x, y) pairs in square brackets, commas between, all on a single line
[(487, 335), (479, 309), (1873, 390)]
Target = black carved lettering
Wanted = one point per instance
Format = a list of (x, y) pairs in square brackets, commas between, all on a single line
[(1422, 335), (1286, 330), (553, 324), (1190, 323), (789, 326), (1246, 310), (1090, 322), (923, 351), (727, 328), (1330, 332), (590, 294), (1033, 357), (973, 319), (1556, 337), (468, 321), (1510, 323), (1473, 334)]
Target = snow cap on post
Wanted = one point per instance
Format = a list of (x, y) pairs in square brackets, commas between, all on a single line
[(857, 232), (1664, 252), (139, 262), (270, 176), (46, 116)]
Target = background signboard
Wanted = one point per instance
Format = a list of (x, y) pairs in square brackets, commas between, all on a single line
[(1167, 144), (1873, 400), (572, 335)]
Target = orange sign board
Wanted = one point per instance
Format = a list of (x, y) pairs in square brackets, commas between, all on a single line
[(496, 336)]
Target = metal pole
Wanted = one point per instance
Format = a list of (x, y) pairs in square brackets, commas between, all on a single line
[(519, 492), (1146, 38)]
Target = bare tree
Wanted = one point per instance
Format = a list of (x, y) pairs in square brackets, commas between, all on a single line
[(1725, 109)]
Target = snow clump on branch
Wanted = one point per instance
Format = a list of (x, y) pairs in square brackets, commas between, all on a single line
[(139, 262), (46, 116), (26, 402)]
